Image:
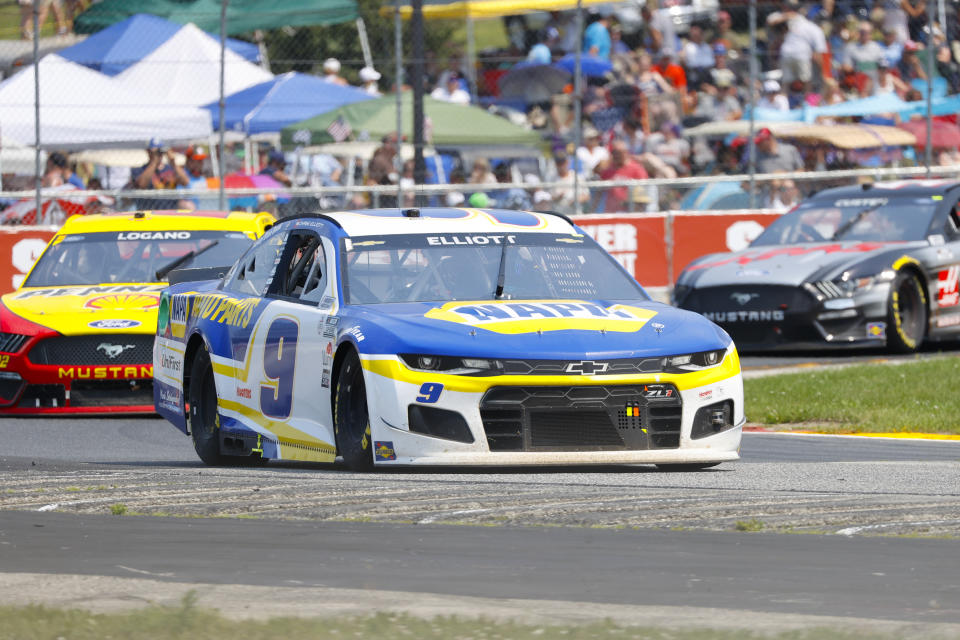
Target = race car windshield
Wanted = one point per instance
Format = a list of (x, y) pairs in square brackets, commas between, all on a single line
[(417, 268), (852, 219), (132, 256)]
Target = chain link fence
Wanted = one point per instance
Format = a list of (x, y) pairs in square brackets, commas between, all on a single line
[(133, 120)]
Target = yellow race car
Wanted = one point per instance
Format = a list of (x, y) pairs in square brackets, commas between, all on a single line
[(77, 336)]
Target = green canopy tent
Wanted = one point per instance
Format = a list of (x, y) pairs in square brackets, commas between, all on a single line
[(446, 124), (243, 16)]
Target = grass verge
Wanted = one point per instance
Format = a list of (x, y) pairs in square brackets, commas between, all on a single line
[(914, 397), (188, 621)]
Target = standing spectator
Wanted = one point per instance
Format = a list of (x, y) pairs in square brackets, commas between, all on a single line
[(618, 47), (369, 77), (157, 174), (542, 52), (672, 72), (660, 33), (452, 91), (592, 153), (697, 57), (895, 20), (596, 38), (276, 163), (911, 67), (620, 166), (480, 173), (916, 11), (563, 196), (197, 179), (804, 47), (862, 54), (26, 17), (58, 162), (331, 72), (772, 98), (774, 156)]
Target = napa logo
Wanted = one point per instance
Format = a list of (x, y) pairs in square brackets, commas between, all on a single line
[(543, 315), (179, 311)]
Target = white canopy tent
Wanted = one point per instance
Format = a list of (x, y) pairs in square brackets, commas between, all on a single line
[(83, 109), (185, 70)]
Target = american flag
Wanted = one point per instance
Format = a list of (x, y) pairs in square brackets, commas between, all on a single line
[(339, 129)]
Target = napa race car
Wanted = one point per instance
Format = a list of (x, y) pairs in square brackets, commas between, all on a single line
[(861, 266), (441, 337), (77, 335)]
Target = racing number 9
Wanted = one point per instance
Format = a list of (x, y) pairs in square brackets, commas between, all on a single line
[(430, 392), (279, 358)]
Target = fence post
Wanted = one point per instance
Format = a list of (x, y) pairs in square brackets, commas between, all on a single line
[(221, 198), (39, 216)]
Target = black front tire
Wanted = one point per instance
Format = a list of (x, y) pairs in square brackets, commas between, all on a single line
[(204, 419), (906, 313), (692, 466), (350, 416)]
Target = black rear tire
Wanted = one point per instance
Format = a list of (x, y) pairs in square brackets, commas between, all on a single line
[(204, 419), (906, 313), (691, 466), (351, 419)]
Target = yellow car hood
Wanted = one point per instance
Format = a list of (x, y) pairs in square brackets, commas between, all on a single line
[(119, 308)]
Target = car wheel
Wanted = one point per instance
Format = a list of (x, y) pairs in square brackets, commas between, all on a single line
[(204, 419), (906, 313), (692, 466), (350, 417)]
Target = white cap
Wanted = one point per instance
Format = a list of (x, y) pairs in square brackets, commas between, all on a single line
[(771, 86), (331, 65), (454, 198), (369, 74)]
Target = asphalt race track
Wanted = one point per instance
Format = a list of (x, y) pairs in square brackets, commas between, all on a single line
[(716, 547)]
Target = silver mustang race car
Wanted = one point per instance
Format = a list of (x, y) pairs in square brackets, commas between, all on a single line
[(441, 336), (865, 266)]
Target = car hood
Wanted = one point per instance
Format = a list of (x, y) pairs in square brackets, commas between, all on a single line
[(75, 310), (787, 264), (534, 329)]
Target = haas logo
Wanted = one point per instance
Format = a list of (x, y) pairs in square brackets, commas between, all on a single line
[(113, 350)]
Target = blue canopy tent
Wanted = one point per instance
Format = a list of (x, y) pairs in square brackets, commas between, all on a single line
[(288, 98), (125, 43)]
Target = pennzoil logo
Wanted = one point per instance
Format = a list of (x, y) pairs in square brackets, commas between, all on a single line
[(234, 312), (124, 301), (544, 315)]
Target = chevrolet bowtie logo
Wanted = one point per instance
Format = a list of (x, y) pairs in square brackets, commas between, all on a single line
[(587, 367)]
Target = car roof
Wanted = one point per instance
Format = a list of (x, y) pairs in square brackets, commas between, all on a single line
[(169, 220), (448, 220), (893, 188)]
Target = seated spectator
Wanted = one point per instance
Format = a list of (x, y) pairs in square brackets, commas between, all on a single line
[(672, 72), (671, 148), (563, 196), (369, 77), (721, 75), (331, 72), (451, 91), (592, 153), (197, 179), (888, 82), (772, 98), (276, 163), (774, 156), (620, 166), (58, 162), (617, 46), (911, 67), (863, 53), (892, 48)]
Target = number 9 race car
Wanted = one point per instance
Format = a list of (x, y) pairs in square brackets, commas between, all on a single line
[(441, 337), (77, 336)]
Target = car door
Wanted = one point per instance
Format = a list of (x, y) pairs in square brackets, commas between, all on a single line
[(292, 381)]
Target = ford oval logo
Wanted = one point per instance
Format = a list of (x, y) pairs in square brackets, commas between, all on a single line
[(113, 324)]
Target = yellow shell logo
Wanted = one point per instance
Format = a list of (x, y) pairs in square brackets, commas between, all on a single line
[(124, 301)]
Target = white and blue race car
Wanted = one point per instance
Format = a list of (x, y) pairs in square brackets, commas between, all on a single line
[(441, 337)]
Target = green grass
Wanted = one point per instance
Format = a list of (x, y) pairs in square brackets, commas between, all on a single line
[(188, 621), (748, 525), (915, 397)]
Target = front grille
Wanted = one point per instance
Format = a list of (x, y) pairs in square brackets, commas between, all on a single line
[(582, 418), (757, 298), (96, 393), (94, 350), (11, 342)]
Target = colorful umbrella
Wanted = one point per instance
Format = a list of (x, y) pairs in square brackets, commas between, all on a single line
[(944, 134), (246, 181), (589, 65)]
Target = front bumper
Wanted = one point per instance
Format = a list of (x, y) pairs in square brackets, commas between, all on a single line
[(581, 424)]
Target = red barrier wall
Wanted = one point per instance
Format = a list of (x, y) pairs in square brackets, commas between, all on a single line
[(639, 241), (19, 249)]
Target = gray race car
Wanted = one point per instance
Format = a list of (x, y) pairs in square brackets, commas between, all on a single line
[(863, 266)]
